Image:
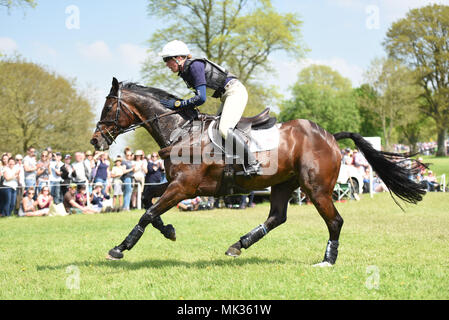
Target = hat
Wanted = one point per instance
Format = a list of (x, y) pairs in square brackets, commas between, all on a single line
[(18, 157), (68, 156), (139, 153), (118, 159), (72, 186), (58, 153), (98, 184), (88, 153)]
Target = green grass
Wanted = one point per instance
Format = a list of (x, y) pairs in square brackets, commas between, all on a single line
[(41, 256), (439, 165)]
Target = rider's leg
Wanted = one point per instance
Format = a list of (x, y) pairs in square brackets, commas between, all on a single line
[(234, 101)]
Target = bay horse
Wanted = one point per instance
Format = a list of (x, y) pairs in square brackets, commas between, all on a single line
[(307, 156)]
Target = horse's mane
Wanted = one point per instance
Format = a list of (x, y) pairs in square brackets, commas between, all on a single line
[(158, 94), (145, 91)]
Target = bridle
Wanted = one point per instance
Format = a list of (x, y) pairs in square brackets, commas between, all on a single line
[(108, 135)]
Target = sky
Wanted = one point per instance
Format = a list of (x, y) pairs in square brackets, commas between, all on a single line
[(93, 41)]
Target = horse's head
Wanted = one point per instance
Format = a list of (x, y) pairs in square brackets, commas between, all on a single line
[(117, 116)]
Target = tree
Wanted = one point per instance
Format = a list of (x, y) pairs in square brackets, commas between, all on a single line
[(421, 41), (322, 95), (41, 109), (369, 124), (17, 3), (395, 96)]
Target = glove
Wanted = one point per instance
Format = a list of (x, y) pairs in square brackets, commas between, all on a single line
[(172, 104)]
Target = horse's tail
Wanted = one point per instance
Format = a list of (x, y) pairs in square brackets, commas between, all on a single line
[(394, 169)]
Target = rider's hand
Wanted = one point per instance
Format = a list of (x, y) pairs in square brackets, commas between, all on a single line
[(171, 104)]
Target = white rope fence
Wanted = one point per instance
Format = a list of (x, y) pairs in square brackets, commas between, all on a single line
[(91, 184)]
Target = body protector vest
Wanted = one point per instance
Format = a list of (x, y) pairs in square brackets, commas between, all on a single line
[(215, 76)]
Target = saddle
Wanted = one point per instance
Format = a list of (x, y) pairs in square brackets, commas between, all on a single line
[(258, 122)]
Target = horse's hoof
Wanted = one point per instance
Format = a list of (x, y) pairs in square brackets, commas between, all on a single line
[(323, 264), (233, 252), (170, 232), (114, 254)]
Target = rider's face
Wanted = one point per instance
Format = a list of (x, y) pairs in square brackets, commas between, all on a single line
[(172, 65)]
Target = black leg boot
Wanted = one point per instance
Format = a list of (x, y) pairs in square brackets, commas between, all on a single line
[(117, 252)]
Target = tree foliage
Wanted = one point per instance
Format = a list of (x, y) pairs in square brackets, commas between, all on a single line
[(394, 97), (322, 95), (18, 3), (41, 109), (421, 41)]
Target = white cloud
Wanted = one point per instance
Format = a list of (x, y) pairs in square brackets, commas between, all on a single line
[(98, 51), (44, 50), (132, 55), (7, 45)]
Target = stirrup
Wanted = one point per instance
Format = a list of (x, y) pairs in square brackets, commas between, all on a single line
[(253, 169)]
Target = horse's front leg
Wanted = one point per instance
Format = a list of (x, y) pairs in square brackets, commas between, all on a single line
[(155, 191), (172, 196)]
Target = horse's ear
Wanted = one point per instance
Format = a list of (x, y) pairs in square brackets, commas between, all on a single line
[(115, 85)]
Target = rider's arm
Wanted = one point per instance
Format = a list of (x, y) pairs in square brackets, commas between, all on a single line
[(199, 99)]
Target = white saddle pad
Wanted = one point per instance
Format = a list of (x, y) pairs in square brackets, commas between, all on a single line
[(260, 140)]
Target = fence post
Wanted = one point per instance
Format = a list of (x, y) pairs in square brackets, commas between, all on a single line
[(139, 195), (88, 192)]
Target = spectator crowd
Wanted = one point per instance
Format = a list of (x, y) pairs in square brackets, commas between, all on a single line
[(356, 159), (30, 185), (87, 183)]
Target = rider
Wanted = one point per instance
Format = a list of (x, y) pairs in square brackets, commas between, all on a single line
[(199, 74)]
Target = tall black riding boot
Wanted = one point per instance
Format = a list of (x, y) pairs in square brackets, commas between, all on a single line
[(250, 164)]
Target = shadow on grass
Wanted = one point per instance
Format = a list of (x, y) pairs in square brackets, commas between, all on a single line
[(167, 263)]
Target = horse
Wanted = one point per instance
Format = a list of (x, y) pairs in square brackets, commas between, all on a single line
[(307, 157)]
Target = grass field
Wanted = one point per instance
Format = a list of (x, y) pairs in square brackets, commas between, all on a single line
[(384, 254), (439, 165)]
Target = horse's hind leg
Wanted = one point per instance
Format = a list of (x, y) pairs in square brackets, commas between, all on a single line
[(280, 195), (325, 206)]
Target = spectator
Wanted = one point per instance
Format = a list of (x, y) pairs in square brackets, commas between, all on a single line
[(11, 176), (152, 178), (127, 179), (44, 199), (81, 195), (3, 166), (43, 171), (97, 197), (116, 174), (366, 180), (140, 169), (250, 203), (70, 204), (189, 204), (30, 168), (55, 177), (431, 182), (66, 175), (89, 162), (20, 188), (101, 170), (28, 205), (80, 172)]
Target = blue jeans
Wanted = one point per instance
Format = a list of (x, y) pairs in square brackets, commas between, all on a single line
[(127, 192), (9, 201), (30, 183), (55, 191)]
